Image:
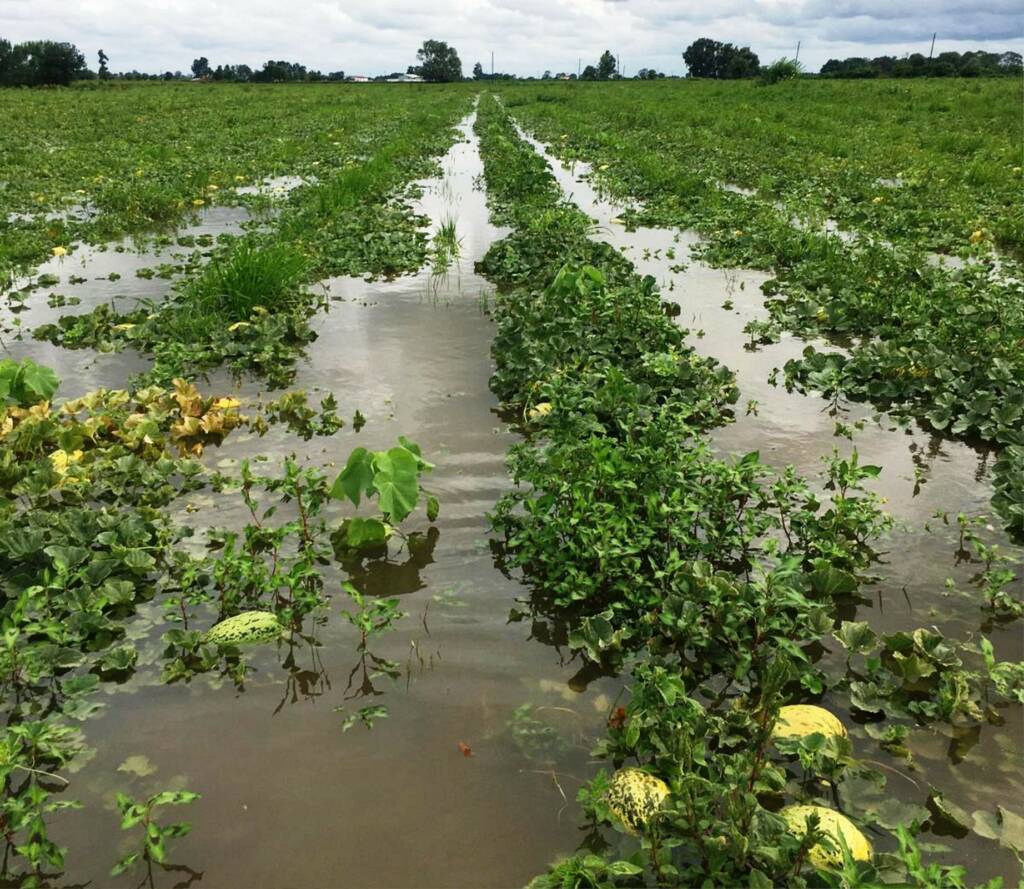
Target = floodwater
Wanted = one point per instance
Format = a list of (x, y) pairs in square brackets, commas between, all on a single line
[(923, 473), (289, 799)]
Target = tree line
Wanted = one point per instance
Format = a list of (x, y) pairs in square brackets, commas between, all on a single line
[(46, 62), (946, 64)]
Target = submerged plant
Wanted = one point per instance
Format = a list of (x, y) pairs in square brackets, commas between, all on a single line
[(155, 836)]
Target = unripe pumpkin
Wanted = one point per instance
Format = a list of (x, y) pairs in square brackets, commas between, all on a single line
[(247, 627)]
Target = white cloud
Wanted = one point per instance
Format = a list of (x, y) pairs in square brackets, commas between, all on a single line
[(527, 36)]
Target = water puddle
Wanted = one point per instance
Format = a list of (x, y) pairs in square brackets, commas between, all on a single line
[(288, 798), (275, 185), (922, 473), (120, 273)]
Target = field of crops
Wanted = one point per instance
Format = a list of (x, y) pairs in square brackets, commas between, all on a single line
[(594, 484)]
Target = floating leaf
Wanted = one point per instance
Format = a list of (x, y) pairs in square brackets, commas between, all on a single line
[(138, 764)]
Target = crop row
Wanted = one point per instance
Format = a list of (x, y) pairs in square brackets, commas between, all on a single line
[(250, 304), (937, 342), (94, 165), (713, 581), (93, 566)]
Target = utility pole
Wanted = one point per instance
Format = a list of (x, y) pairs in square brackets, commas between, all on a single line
[(492, 64), (579, 67), (932, 50), (797, 59)]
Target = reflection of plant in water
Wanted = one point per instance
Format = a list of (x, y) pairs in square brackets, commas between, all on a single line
[(372, 618), (535, 739), (308, 682), (153, 849), (372, 569)]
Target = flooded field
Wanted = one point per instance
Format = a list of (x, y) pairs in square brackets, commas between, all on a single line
[(923, 474), (490, 710)]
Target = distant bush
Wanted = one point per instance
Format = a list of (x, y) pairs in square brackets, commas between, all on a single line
[(779, 70)]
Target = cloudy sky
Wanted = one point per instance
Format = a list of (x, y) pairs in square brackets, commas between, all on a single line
[(527, 36)]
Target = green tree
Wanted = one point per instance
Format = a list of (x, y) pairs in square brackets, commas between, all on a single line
[(201, 67), (6, 61), (701, 57), (709, 58), (478, 71), (104, 70), (589, 73), (606, 65), (737, 63), (439, 62), (42, 63)]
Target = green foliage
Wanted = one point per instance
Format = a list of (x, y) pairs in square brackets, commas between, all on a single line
[(41, 63), (714, 580), (927, 339), (439, 62), (780, 70), (392, 476), (250, 277), (24, 383), (358, 158), (155, 836)]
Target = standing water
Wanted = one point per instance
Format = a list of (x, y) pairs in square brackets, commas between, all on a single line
[(461, 784)]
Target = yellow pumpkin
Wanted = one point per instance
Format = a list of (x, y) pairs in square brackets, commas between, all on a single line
[(834, 824), (801, 720)]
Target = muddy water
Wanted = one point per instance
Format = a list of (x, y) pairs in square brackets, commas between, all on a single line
[(922, 474), (92, 275), (289, 799)]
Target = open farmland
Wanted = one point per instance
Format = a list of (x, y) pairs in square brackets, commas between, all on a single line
[(389, 470)]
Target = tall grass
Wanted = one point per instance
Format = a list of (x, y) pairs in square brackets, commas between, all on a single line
[(250, 276)]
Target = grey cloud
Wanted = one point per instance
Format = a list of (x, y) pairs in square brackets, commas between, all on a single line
[(528, 36)]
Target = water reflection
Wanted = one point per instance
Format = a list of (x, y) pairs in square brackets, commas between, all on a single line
[(373, 572)]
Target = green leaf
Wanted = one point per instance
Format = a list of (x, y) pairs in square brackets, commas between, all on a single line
[(172, 798), (356, 478), (36, 382), (624, 869), (364, 532), (856, 636), (397, 482), (433, 508), (124, 864), (66, 557), (831, 582)]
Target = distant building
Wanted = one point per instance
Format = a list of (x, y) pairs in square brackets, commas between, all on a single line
[(406, 78), (358, 78)]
